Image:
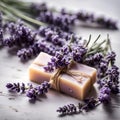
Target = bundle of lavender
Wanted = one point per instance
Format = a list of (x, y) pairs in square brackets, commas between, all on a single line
[(13, 9), (55, 27)]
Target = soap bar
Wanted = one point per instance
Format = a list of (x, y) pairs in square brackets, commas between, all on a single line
[(68, 84)]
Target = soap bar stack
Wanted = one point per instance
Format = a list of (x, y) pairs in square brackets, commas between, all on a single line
[(68, 84)]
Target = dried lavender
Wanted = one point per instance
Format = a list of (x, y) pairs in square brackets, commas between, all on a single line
[(31, 92), (25, 54), (35, 49), (65, 22), (38, 8), (113, 79), (101, 21), (16, 87), (102, 68), (36, 92), (54, 38), (64, 19), (67, 109), (51, 36), (61, 59), (108, 78), (57, 36), (91, 18), (20, 35), (76, 53), (109, 73), (111, 57), (104, 96), (89, 104), (94, 59), (1, 37)]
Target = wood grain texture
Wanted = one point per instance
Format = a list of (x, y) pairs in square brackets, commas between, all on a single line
[(17, 107)]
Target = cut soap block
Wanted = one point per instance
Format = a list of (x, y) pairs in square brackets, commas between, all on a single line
[(68, 84)]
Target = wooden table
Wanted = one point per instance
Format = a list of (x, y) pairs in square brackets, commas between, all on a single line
[(17, 107)]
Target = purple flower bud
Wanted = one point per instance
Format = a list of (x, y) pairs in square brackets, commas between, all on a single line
[(9, 85)]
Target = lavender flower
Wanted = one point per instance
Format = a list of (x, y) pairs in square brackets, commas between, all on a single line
[(23, 88), (15, 87), (113, 81), (113, 73), (90, 103), (91, 18), (1, 30), (20, 35), (60, 60), (93, 60), (102, 68), (38, 8), (65, 56), (115, 88), (62, 21), (78, 53), (35, 49), (1, 37), (111, 57), (101, 21), (67, 109), (57, 37), (104, 96), (27, 53), (35, 92), (32, 92)]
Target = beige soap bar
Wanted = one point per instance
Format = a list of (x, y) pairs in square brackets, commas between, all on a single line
[(68, 84)]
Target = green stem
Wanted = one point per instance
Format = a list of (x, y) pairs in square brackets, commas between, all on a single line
[(108, 42), (98, 45), (97, 39), (88, 41), (94, 43), (8, 14), (20, 15)]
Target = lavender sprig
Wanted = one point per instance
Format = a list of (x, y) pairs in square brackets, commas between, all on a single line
[(35, 49), (78, 53), (104, 96), (1, 37), (36, 92), (89, 104), (63, 58), (99, 20), (16, 87), (64, 19), (33, 93), (20, 35)]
